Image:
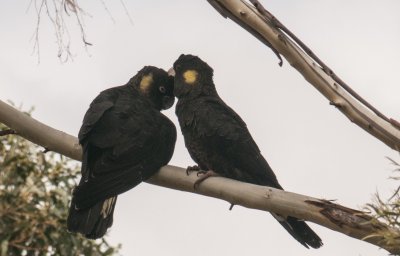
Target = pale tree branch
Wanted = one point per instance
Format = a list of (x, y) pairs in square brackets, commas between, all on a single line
[(265, 27), (39, 133), (351, 222)]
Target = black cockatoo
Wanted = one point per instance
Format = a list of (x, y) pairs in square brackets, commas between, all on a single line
[(218, 139), (125, 140)]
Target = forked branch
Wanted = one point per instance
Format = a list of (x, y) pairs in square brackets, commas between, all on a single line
[(269, 30)]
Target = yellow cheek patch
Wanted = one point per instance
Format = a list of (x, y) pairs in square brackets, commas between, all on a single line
[(146, 82), (190, 76)]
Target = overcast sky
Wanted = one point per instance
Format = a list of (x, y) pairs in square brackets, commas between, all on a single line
[(312, 147)]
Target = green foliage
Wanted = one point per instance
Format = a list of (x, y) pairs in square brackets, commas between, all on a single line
[(388, 211), (35, 192)]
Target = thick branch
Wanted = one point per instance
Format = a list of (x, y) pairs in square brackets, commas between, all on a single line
[(39, 133), (350, 222), (274, 34)]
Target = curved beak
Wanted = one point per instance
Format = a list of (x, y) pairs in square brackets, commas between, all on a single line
[(171, 72), (167, 102)]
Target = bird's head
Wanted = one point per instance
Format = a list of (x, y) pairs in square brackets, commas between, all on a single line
[(192, 77), (156, 85)]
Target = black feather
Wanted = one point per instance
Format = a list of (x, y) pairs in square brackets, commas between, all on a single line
[(218, 139), (125, 140)]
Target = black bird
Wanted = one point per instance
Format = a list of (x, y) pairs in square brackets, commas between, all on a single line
[(218, 139), (125, 140)]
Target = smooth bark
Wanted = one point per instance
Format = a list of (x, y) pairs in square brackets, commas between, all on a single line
[(351, 222), (265, 27)]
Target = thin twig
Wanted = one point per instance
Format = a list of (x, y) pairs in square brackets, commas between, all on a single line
[(29, 6), (55, 12), (127, 12), (36, 46), (77, 11), (7, 132), (108, 11), (27, 248)]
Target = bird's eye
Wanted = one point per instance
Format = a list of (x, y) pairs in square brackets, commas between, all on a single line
[(162, 89)]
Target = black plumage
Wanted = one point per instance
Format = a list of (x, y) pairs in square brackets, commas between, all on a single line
[(218, 139), (125, 140)]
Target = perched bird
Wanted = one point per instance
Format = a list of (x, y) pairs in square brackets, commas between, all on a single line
[(125, 140), (218, 139)]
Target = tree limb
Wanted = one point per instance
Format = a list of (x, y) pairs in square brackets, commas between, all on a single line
[(265, 27), (39, 133), (351, 222)]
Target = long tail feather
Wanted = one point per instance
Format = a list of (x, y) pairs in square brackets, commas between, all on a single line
[(300, 231), (92, 222)]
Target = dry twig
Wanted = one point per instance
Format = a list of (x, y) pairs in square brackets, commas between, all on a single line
[(56, 11)]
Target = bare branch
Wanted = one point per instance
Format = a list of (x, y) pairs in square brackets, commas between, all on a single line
[(36, 34), (55, 10), (108, 11), (351, 222), (127, 12), (265, 27), (306, 49)]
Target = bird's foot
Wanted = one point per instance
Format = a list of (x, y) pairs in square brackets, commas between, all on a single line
[(231, 207), (205, 175), (194, 168), (201, 172)]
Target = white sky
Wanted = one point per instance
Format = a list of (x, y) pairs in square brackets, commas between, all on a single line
[(312, 147)]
